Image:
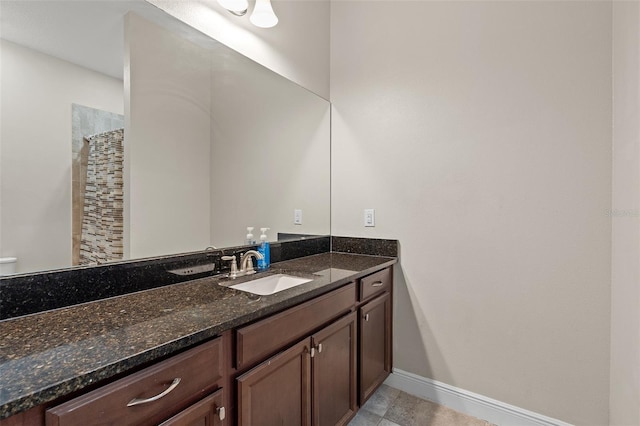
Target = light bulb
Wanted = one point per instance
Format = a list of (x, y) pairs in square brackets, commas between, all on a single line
[(237, 7), (263, 15)]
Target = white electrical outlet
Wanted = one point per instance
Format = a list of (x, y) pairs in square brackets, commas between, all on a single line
[(297, 217), (369, 217)]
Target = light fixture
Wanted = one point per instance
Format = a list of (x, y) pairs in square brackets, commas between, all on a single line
[(263, 15), (237, 7)]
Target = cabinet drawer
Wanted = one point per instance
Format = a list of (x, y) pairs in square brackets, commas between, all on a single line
[(209, 411), (198, 370), (257, 341), (375, 283)]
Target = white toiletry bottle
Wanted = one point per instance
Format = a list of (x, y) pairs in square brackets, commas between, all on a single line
[(249, 238)]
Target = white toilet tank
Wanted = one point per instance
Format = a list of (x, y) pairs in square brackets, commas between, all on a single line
[(8, 265)]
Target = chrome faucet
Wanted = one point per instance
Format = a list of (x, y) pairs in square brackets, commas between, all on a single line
[(245, 261), (246, 265)]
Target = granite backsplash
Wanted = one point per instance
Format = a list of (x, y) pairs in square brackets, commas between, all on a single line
[(31, 293)]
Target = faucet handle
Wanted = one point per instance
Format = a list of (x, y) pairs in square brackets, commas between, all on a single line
[(234, 266)]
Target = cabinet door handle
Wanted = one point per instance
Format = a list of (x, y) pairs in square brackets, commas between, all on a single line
[(138, 401), (316, 349), (222, 413), (366, 317), (377, 284)]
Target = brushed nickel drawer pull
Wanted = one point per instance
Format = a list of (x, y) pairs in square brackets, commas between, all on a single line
[(138, 401), (319, 347), (222, 413), (377, 284), (366, 317)]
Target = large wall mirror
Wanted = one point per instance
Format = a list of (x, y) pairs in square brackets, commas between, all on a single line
[(126, 134)]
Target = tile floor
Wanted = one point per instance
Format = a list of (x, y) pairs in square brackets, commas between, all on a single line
[(392, 407)]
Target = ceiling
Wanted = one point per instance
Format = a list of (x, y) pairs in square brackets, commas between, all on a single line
[(78, 31)]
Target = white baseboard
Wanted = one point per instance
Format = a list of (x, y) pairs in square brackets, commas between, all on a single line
[(466, 402)]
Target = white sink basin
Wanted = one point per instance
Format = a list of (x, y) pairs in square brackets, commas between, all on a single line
[(270, 284)]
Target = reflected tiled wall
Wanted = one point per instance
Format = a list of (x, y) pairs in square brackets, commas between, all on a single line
[(85, 122), (102, 221)]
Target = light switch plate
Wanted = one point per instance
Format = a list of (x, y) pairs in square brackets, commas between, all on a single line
[(369, 217), (297, 217)]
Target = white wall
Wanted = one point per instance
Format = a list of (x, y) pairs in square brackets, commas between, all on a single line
[(35, 151), (296, 48), (625, 217), (481, 134), (167, 146), (270, 154)]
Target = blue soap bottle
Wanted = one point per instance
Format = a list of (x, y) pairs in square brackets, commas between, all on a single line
[(265, 250)]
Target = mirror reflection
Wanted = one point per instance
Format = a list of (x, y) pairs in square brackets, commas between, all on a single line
[(172, 144)]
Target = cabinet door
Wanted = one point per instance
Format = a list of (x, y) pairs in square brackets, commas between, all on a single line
[(208, 412), (375, 344), (334, 372), (277, 392)]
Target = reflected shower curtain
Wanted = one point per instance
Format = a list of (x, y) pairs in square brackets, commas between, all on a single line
[(102, 222)]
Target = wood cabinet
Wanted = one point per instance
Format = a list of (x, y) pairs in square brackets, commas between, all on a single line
[(149, 396), (210, 411), (259, 340), (311, 383), (276, 392), (375, 284), (321, 379), (374, 331), (334, 372), (375, 344)]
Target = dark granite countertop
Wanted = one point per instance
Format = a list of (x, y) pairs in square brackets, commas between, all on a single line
[(50, 354)]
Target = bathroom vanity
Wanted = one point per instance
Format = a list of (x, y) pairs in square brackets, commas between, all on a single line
[(201, 353)]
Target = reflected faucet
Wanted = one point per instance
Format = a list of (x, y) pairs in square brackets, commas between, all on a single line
[(246, 265)]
